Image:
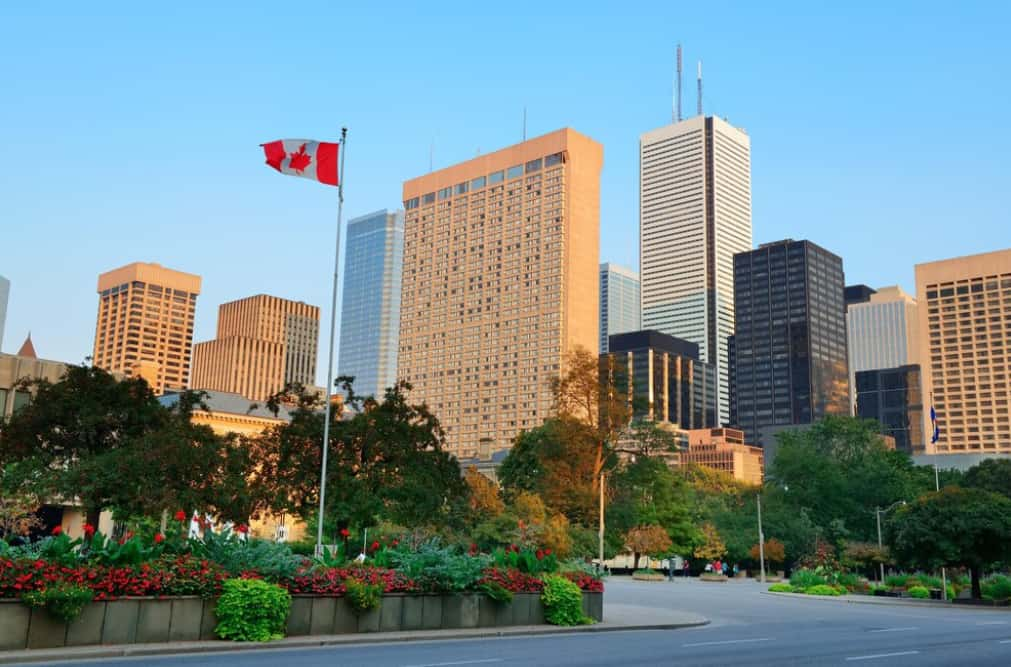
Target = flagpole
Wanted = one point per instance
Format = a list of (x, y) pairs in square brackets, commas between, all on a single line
[(329, 362)]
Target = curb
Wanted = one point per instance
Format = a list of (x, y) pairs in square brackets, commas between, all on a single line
[(898, 602), (141, 650)]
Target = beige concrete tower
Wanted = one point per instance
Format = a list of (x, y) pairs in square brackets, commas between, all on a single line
[(263, 342), (145, 324), (965, 347), (500, 280)]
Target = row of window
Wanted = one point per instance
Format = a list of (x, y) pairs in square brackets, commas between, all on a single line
[(515, 171)]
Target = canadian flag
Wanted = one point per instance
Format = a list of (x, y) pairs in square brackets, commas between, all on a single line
[(304, 157)]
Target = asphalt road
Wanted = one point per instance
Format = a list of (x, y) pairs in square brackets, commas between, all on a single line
[(748, 628)]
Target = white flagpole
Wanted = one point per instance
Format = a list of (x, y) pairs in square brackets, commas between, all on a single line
[(329, 362)]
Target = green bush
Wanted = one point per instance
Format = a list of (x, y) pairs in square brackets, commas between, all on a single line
[(63, 601), (896, 580), (496, 591), (918, 592), (271, 560), (781, 588), (997, 587), (929, 581), (646, 572), (848, 580), (361, 596), (252, 610), (440, 569), (563, 602), (822, 589), (797, 589), (807, 578)]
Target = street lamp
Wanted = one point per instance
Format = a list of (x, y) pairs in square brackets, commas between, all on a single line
[(761, 536), (878, 512)]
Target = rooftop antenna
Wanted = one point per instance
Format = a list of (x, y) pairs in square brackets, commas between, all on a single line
[(677, 103), (524, 123), (700, 87)]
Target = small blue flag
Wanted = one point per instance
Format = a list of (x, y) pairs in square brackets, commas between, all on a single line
[(935, 436)]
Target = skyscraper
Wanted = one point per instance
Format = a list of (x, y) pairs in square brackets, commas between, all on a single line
[(619, 302), (370, 310), (694, 216), (790, 345), (881, 333), (501, 258), (263, 343), (145, 324), (5, 291), (894, 398), (965, 351)]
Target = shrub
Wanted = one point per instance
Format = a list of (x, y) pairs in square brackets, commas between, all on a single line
[(252, 610), (997, 587), (645, 571), (440, 569), (271, 560), (496, 591), (563, 602), (918, 592), (807, 578), (63, 601), (361, 596), (781, 588), (896, 580), (528, 561), (822, 589)]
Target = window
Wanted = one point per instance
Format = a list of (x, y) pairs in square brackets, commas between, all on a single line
[(552, 160), (478, 182), (534, 165), (461, 188), (21, 399), (445, 193), (3, 403), (515, 172), (429, 198), (411, 203), (497, 177)]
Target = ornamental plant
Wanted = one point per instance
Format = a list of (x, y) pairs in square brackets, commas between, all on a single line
[(563, 602), (362, 597), (496, 591), (822, 589), (63, 601), (919, 592), (252, 610), (781, 588)]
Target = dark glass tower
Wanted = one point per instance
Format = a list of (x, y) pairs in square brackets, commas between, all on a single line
[(789, 346), (893, 397)]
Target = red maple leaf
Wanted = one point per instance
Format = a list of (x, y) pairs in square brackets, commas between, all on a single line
[(299, 160)]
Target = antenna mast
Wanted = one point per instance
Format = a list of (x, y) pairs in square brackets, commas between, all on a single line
[(677, 115), (700, 87)]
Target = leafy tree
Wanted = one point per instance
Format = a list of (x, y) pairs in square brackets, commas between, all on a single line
[(992, 475), (775, 552), (484, 496), (711, 546), (19, 500), (647, 492), (650, 540), (954, 527), (865, 555)]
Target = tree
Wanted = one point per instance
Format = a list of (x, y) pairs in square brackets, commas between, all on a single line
[(775, 552), (865, 555), (711, 546), (650, 540), (646, 492), (954, 527), (992, 475), (19, 500), (484, 498)]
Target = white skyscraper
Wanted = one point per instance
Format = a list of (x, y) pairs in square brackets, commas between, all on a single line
[(694, 216), (619, 302), (881, 333), (5, 290)]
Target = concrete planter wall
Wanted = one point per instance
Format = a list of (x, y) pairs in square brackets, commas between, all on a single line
[(145, 620)]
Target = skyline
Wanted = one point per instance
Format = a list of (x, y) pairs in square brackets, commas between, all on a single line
[(172, 139)]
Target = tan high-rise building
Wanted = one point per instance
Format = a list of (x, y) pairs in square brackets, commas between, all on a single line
[(145, 324), (965, 348), (263, 343), (500, 281)]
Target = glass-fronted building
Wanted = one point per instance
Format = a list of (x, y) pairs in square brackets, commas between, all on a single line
[(619, 302), (370, 310), (893, 397)]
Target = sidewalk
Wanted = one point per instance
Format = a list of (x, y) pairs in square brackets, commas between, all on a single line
[(618, 617)]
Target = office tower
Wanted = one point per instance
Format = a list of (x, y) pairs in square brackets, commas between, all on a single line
[(5, 291), (501, 255), (370, 310), (965, 336), (619, 302), (145, 324), (694, 216), (662, 377), (790, 345), (854, 294), (724, 449), (880, 332), (892, 396), (263, 343)]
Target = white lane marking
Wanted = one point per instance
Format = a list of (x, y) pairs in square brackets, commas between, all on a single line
[(729, 641), (1004, 641), (881, 655), (993, 623), (894, 629), (458, 662)]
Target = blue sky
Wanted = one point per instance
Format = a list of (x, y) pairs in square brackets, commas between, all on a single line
[(879, 130)]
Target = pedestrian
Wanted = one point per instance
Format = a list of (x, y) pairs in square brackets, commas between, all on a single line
[(736, 570), (686, 568), (709, 567), (718, 566)]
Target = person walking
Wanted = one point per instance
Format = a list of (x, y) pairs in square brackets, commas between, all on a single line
[(687, 569)]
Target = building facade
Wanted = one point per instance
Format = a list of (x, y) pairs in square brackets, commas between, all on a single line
[(964, 341), (5, 292), (694, 216), (723, 449), (501, 256), (893, 397), (23, 366), (370, 309), (663, 378), (881, 332), (790, 344), (145, 324), (263, 343), (619, 302)]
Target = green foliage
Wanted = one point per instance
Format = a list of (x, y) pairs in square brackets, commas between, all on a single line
[(992, 475), (496, 591), (526, 560), (563, 602), (252, 610), (997, 587), (918, 592), (781, 588), (647, 493), (437, 568), (63, 601), (363, 597), (60, 549), (271, 560), (807, 578), (822, 589), (644, 571), (896, 580), (132, 550)]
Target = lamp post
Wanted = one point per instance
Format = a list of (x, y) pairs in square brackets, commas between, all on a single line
[(761, 540), (877, 513)]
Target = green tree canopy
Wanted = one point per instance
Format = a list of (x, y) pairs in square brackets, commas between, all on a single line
[(990, 475)]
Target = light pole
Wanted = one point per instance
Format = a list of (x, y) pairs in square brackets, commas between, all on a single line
[(600, 530), (881, 548), (944, 575), (761, 540)]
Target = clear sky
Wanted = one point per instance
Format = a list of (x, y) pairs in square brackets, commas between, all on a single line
[(880, 130)]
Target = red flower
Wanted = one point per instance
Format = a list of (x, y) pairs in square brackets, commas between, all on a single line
[(547, 552), (396, 542), (89, 530), (158, 538), (58, 530), (242, 528), (540, 555), (374, 547), (345, 532), (180, 516), (473, 548)]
